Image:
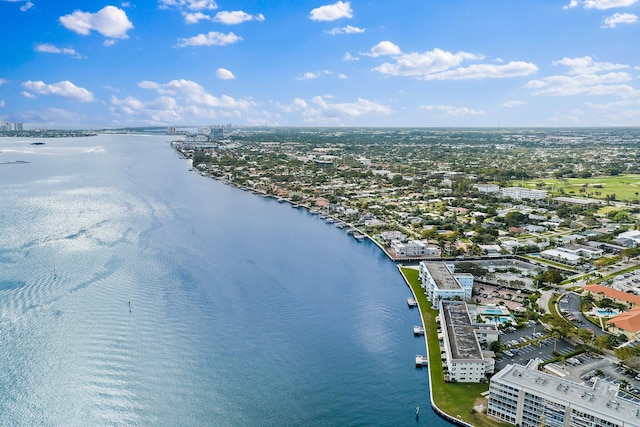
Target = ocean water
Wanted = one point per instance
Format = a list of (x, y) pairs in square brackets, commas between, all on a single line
[(136, 292)]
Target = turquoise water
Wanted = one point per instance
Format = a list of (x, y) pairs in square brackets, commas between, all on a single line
[(492, 311), (135, 292)]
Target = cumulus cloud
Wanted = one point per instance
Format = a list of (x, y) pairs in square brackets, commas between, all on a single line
[(49, 48), (311, 75), (178, 101), (332, 12), (513, 103), (619, 18), (600, 4), (24, 7), (28, 95), (188, 4), (3, 81), (194, 93), (321, 111), (109, 21), (236, 17), (65, 88), (195, 17), (438, 64), (348, 57), (349, 29), (212, 38), (2, 104), (585, 76), (450, 110), (224, 74), (384, 48)]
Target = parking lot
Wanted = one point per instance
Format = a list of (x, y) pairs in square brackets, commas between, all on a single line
[(541, 349)]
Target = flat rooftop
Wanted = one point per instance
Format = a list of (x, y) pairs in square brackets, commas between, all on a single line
[(462, 339), (600, 397), (442, 276)]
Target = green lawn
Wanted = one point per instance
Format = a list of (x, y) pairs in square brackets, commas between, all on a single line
[(625, 187), (456, 399)]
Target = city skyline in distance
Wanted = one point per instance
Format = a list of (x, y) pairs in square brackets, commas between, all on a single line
[(321, 63)]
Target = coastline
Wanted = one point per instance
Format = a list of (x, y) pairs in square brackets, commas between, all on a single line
[(441, 413), (436, 409)]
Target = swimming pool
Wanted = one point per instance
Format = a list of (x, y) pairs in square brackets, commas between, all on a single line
[(606, 313), (494, 311)]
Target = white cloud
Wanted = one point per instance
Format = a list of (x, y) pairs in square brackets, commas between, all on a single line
[(348, 57), (212, 38), (310, 75), (49, 48), (3, 81), (28, 95), (438, 64), (236, 17), (188, 4), (619, 18), (320, 111), (343, 76), (179, 101), (331, 12), (513, 103), (585, 77), (195, 17), (349, 29), (2, 103), (450, 110), (64, 88), (26, 6), (224, 74), (586, 65), (109, 21), (384, 48), (352, 109), (600, 4), (193, 93)]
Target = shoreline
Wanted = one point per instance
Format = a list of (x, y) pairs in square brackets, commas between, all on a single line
[(449, 418), (399, 264)]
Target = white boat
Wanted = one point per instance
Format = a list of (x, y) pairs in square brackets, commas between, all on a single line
[(418, 330), (411, 302)]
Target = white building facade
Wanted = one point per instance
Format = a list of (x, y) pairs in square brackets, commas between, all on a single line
[(441, 283), (527, 397), (519, 193), (465, 359)]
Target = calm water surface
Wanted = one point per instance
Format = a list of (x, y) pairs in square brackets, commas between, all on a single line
[(135, 292)]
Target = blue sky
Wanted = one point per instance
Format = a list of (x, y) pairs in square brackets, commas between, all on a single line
[(320, 63)]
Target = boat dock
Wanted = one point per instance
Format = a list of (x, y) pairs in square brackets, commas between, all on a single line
[(421, 361)]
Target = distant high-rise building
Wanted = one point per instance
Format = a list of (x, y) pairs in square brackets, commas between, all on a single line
[(217, 132), (5, 126), (171, 130), (17, 126)]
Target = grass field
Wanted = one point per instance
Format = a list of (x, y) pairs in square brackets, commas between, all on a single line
[(624, 187), (456, 399)]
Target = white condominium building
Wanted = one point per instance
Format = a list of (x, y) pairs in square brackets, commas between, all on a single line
[(519, 193), (414, 248), (441, 283), (526, 397), (465, 359)]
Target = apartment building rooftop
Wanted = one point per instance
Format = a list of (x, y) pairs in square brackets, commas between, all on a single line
[(442, 276), (462, 339), (600, 397)]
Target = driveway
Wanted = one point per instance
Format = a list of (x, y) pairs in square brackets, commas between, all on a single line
[(571, 303)]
